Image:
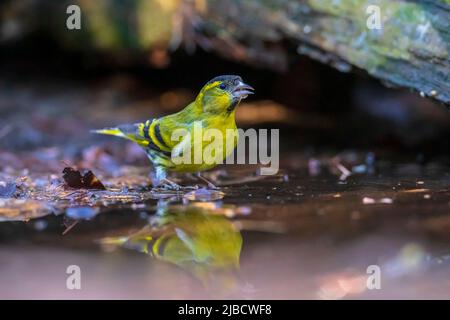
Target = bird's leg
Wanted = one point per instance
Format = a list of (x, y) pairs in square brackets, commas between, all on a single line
[(208, 183), (158, 175), (160, 180)]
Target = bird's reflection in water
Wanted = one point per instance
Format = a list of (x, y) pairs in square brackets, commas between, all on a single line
[(200, 240)]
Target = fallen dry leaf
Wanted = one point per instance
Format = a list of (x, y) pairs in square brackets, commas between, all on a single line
[(81, 180)]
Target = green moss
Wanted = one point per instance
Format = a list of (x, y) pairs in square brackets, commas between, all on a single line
[(406, 29)]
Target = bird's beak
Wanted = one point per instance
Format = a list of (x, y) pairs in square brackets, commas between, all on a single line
[(242, 90)]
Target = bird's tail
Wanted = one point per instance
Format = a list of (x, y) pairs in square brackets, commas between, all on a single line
[(111, 131), (128, 131)]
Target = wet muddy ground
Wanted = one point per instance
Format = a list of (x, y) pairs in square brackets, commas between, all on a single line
[(311, 231)]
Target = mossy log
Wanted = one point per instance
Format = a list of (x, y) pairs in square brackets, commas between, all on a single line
[(411, 49)]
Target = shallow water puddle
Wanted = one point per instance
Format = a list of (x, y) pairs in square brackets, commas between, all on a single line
[(295, 235)]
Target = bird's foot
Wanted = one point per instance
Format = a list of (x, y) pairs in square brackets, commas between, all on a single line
[(208, 183), (168, 185)]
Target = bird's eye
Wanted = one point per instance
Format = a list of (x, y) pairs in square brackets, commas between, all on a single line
[(223, 86)]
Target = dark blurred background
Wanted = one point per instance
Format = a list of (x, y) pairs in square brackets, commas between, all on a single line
[(131, 61), (363, 177)]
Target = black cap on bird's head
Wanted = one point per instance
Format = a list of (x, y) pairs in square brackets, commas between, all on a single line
[(234, 85), (228, 90)]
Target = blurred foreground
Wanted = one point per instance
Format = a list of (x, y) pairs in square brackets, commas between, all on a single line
[(302, 234)]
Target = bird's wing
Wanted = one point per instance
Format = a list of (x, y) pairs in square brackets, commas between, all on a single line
[(154, 134)]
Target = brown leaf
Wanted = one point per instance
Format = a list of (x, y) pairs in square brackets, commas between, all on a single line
[(81, 180)]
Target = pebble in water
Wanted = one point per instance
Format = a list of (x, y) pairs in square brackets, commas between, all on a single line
[(81, 212)]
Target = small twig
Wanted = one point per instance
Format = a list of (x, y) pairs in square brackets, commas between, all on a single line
[(345, 172), (70, 227)]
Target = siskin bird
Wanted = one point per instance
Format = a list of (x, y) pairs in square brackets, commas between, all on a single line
[(213, 108)]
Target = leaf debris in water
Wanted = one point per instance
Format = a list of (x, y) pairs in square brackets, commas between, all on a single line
[(7, 189), (204, 194)]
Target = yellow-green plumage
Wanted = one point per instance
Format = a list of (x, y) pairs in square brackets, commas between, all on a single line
[(206, 244), (214, 108)]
